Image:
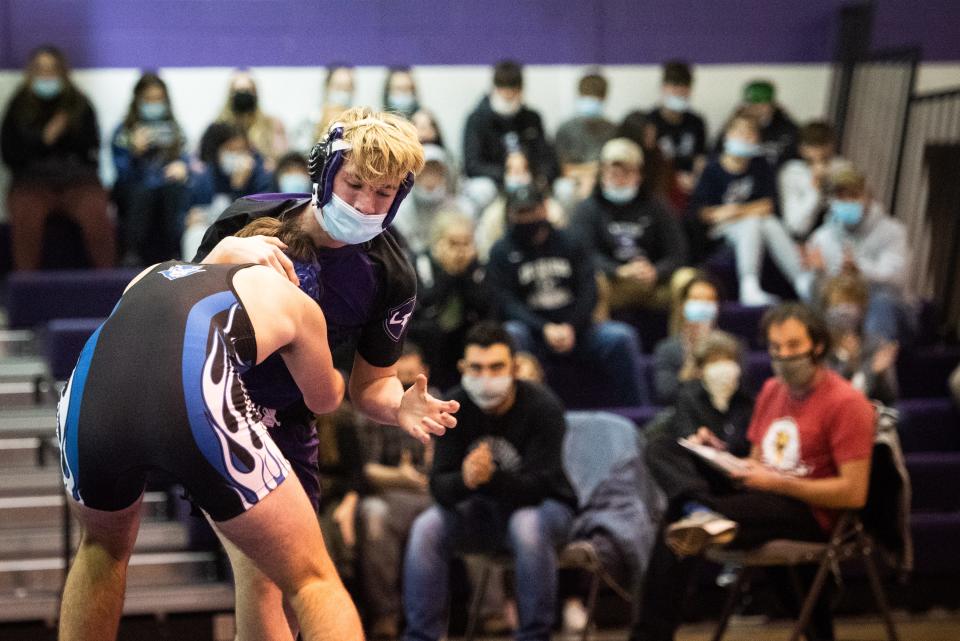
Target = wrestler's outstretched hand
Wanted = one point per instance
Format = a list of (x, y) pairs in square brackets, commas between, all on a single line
[(260, 250), (421, 414)]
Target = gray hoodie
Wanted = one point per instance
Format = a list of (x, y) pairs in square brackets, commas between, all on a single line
[(878, 243)]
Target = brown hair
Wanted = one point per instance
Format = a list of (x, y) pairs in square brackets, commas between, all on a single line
[(847, 286), (299, 245), (817, 133)]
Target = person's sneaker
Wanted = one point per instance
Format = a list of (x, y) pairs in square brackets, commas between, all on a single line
[(574, 616), (751, 295), (690, 535)]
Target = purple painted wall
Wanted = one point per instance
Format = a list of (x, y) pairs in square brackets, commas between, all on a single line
[(165, 33)]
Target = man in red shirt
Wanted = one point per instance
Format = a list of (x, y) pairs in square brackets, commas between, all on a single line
[(812, 438)]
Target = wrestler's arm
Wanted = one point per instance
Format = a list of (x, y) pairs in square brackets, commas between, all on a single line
[(259, 250), (378, 393)]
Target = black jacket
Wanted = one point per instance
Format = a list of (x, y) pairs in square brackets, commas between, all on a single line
[(644, 227), (485, 142)]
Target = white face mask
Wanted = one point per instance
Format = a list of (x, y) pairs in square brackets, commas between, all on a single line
[(721, 379), (487, 392), (339, 98), (504, 107), (347, 224)]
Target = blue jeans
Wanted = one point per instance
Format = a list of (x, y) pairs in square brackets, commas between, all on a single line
[(610, 347), (480, 524), (888, 316)]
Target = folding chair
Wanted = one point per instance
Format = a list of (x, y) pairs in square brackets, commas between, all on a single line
[(595, 443), (849, 539)]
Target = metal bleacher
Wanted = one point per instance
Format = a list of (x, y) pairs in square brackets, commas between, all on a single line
[(165, 576)]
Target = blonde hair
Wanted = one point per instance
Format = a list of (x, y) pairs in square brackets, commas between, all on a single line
[(447, 220), (299, 245), (384, 146)]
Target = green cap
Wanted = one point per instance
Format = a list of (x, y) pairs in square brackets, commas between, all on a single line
[(759, 91)]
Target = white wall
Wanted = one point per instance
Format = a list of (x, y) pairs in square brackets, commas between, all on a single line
[(293, 93)]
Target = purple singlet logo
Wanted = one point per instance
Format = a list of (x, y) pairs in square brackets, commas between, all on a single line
[(398, 317)]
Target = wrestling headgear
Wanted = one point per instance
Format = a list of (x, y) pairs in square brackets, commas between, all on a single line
[(325, 161)]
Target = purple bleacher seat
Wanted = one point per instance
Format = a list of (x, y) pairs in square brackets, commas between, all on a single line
[(651, 325), (922, 372), (33, 298), (756, 370), (929, 425), (742, 321), (933, 478), (935, 537), (65, 338), (641, 415), (581, 388), (721, 265)]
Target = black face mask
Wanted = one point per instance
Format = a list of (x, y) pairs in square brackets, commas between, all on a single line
[(243, 102), (526, 233)]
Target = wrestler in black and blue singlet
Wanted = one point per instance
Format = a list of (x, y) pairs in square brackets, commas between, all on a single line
[(367, 293), (158, 386)]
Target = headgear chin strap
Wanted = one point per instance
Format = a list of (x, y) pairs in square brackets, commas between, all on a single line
[(325, 161)]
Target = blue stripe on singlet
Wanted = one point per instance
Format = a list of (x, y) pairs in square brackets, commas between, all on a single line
[(202, 425)]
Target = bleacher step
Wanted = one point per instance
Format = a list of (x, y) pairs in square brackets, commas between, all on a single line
[(46, 510), (19, 478), (164, 536), (156, 601), (146, 569), (28, 421)]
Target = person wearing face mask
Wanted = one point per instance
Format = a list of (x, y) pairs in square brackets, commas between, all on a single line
[(859, 237), (778, 131), (811, 439), (292, 175), (681, 132), (361, 171), (868, 363), (50, 142), (693, 317), (400, 92), (711, 408), (395, 469), (502, 124), (154, 181), (230, 166), (498, 483), (435, 191), (451, 295), (242, 108), (543, 282), (492, 225), (735, 200), (636, 241), (803, 181), (579, 139)]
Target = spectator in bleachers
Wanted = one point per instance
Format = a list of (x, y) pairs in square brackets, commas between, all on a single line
[(859, 237), (400, 92), (232, 167), (50, 142), (435, 191), (658, 170), (711, 407), (428, 130), (693, 317), (451, 296), (499, 483), (544, 284), (342, 484), (811, 437), (579, 140), (500, 125), (292, 175), (264, 132), (152, 190), (395, 468), (681, 132), (636, 240), (735, 200), (868, 363), (802, 180), (778, 131), (338, 89), (518, 174)]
